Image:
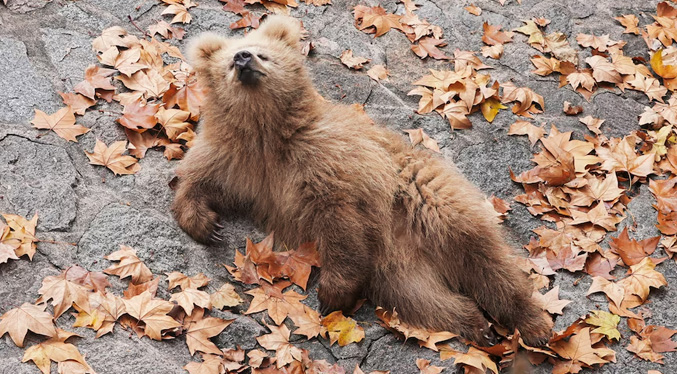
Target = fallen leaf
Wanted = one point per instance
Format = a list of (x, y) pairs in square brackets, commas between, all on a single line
[(199, 332), (605, 323), (62, 123), (78, 103), (376, 17), (31, 317), (494, 36), (152, 312), (271, 298), (473, 9), (278, 341), (418, 136), (572, 110), (378, 73), (129, 266), (550, 302), (353, 62), (342, 329), (630, 22)]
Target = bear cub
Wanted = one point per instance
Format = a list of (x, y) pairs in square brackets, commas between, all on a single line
[(398, 225)]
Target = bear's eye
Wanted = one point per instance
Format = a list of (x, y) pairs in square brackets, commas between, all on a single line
[(262, 57)]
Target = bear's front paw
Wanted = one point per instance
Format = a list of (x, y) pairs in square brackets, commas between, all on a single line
[(201, 224), (536, 332), (333, 297)]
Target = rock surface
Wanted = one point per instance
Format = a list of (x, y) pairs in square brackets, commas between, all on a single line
[(45, 47)]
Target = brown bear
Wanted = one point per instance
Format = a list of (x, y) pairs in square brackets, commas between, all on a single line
[(398, 225)]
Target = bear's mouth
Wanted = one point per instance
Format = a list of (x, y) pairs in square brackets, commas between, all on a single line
[(248, 76)]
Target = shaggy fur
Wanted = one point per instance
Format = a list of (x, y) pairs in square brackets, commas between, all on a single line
[(398, 225)]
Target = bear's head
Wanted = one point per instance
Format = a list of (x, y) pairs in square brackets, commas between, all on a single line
[(267, 58)]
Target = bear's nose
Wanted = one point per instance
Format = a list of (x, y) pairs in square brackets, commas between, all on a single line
[(242, 58)]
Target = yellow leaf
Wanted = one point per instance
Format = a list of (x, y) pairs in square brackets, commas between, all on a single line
[(490, 108), (605, 322), (342, 329)]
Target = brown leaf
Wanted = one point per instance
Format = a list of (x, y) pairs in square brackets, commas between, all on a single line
[(278, 341), (474, 359), (526, 128), (112, 157), (378, 73), (494, 36), (631, 251), (572, 110), (78, 103), (353, 62), (31, 317), (579, 351), (139, 116), (188, 98), (593, 124), (271, 298), (177, 279), (630, 22), (57, 350), (62, 123), (190, 297), (199, 332), (152, 312), (129, 265), (474, 10), (342, 329), (425, 367), (418, 136), (376, 17), (308, 323), (95, 78), (428, 46), (550, 302)]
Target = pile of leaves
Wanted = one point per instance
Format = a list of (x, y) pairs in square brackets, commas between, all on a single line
[(17, 237)]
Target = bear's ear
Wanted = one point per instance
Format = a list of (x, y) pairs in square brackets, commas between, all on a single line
[(201, 49), (284, 28)]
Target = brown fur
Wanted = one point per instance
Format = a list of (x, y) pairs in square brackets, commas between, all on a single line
[(393, 223)]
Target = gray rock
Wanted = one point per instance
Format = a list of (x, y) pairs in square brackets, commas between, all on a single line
[(159, 243), (23, 88), (25, 6), (70, 52), (241, 333), (37, 177)]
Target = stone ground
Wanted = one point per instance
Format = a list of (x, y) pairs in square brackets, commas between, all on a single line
[(45, 48)]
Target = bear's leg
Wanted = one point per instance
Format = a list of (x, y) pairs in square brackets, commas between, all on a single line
[(193, 211), (346, 254), (498, 285)]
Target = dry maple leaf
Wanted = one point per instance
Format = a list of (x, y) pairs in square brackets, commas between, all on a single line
[(525, 128), (105, 309), (295, 264), (278, 341), (21, 234), (630, 22), (134, 289), (603, 70), (19, 320), (188, 298), (199, 332), (494, 51), (342, 329), (308, 322), (650, 86), (188, 97), (418, 136), (166, 30), (473, 9), (581, 78), (271, 298), (615, 292), (598, 265), (62, 123), (177, 279), (63, 292), (139, 116), (353, 62), (376, 17), (632, 251), (600, 43), (248, 19), (620, 155), (211, 364), (545, 66), (426, 338), (572, 110), (96, 77), (180, 12), (642, 277), (474, 360), (114, 36), (550, 302), (378, 73), (152, 312), (593, 124), (150, 82), (579, 352), (525, 97), (605, 323), (78, 103), (129, 265), (642, 348), (425, 367), (225, 297), (112, 157), (57, 350), (173, 121), (428, 46), (490, 108), (494, 36)]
